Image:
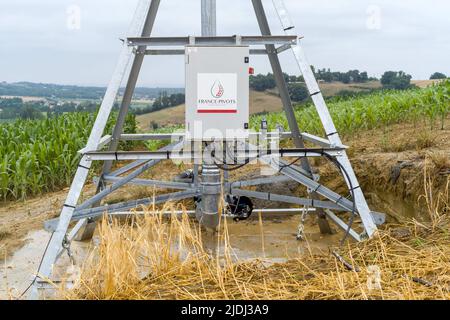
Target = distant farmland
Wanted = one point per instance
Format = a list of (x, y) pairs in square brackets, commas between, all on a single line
[(259, 102), (69, 92), (263, 102)]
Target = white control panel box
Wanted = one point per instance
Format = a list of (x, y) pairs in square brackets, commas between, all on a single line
[(217, 92)]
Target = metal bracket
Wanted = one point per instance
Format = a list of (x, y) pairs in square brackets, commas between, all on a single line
[(212, 41)]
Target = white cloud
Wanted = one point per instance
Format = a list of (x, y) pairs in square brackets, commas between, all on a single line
[(36, 45)]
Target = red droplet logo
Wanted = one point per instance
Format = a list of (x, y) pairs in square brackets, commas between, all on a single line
[(217, 90)]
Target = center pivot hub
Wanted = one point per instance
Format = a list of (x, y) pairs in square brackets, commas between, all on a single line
[(240, 208)]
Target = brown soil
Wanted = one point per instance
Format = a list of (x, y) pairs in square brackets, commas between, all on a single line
[(19, 218), (393, 161)]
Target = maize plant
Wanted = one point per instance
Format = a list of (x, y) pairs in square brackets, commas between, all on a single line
[(39, 156), (376, 110)]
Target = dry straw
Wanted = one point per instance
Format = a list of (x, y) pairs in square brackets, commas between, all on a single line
[(153, 257)]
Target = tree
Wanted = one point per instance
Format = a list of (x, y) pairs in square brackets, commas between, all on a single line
[(396, 80), (438, 76), (165, 100), (177, 99), (363, 77), (345, 78), (157, 105), (31, 113), (154, 125), (298, 92), (293, 79), (325, 75), (262, 82)]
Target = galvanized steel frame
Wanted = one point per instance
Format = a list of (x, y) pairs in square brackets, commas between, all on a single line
[(130, 61)]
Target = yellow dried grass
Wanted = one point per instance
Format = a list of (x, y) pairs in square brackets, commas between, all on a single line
[(158, 258)]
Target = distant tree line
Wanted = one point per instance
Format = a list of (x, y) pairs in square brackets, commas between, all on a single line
[(262, 82), (398, 80), (162, 102), (14, 108), (56, 91), (297, 90), (352, 76), (296, 84), (438, 76)]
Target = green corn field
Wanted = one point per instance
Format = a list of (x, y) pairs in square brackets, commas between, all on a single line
[(376, 110), (41, 155), (38, 156)]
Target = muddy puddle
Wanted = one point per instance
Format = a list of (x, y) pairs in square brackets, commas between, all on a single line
[(17, 273), (274, 241)]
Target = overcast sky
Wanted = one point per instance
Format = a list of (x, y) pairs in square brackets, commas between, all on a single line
[(41, 41)]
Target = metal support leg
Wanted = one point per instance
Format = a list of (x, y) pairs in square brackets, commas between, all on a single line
[(81, 175), (87, 232), (325, 117), (208, 211), (86, 228), (131, 84), (287, 104)]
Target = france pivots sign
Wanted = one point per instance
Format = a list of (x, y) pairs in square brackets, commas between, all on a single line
[(217, 93)]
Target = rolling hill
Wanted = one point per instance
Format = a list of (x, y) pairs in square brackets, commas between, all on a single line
[(259, 102)]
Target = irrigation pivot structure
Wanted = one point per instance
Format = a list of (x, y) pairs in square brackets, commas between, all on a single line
[(217, 137)]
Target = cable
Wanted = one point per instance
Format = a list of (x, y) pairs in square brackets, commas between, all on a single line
[(328, 157), (39, 268), (352, 190), (223, 166), (290, 164)]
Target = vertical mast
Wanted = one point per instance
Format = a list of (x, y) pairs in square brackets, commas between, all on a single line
[(209, 22), (209, 211)]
